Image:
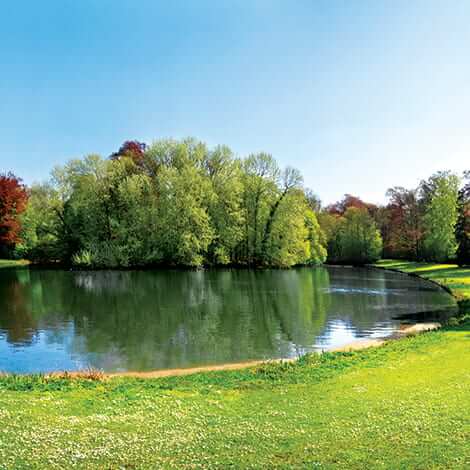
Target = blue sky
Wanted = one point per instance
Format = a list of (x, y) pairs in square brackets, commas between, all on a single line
[(359, 95)]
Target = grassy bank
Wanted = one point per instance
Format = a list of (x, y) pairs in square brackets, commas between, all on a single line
[(403, 405), (11, 263), (450, 276)]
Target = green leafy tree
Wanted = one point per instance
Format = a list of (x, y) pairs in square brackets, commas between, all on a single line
[(291, 181), (441, 214), (225, 209), (355, 238), (184, 230), (317, 239), (43, 227), (178, 203), (260, 189)]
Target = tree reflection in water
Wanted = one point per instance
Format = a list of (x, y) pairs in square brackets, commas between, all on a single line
[(141, 320)]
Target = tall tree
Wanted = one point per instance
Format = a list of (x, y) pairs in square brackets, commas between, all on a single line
[(355, 238), (462, 231), (260, 180), (13, 200), (340, 207), (225, 209), (441, 214), (43, 233), (403, 233), (179, 203), (132, 149), (313, 200), (291, 181)]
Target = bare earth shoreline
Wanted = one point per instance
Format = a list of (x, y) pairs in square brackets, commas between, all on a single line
[(403, 331)]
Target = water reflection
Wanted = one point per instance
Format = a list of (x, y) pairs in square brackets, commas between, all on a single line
[(129, 320)]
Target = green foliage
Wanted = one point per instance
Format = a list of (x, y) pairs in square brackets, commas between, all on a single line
[(83, 258), (225, 207), (441, 217), (178, 203), (43, 231), (354, 237), (316, 238), (184, 229)]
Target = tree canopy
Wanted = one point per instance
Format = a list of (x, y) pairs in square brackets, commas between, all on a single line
[(13, 200), (181, 203), (173, 203)]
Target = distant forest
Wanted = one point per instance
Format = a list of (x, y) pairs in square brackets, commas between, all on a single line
[(180, 203)]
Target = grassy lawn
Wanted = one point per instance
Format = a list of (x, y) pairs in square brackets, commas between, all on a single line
[(10, 263), (403, 405), (449, 275)]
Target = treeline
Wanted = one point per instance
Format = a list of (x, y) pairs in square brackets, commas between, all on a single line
[(180, 203), (427, 223), (173, 203)]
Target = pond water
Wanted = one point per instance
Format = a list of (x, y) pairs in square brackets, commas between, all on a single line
[(143, 320)]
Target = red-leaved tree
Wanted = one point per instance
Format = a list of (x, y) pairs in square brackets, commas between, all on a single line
[(13, 200), (340, 207), (132, 149)]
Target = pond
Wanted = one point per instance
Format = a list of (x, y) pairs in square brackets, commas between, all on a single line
[(142, 320)]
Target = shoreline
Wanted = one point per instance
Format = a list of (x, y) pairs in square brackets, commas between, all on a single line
[(403, 331), (414, 275), (356, 345)]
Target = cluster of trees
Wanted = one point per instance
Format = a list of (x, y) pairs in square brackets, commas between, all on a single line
[(172, 203), (352, 233), (182, 203), (430, 222)]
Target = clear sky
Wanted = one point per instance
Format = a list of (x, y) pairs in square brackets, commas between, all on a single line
[(359, 95)]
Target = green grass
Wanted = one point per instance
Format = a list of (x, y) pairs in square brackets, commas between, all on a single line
[(11, 263), (404, 405), (456, 279)]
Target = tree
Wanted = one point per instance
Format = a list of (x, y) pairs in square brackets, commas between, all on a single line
[(13, 200), (340, 207), (441, 214), (184, 192), (355, 238), (132, 149), (260, 188), (184, 230), (403, 231), (41, 225), (225, 209), (295, 238), (314, 202), (291, 181), (317, 239), (176, 203), (462, 230)]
